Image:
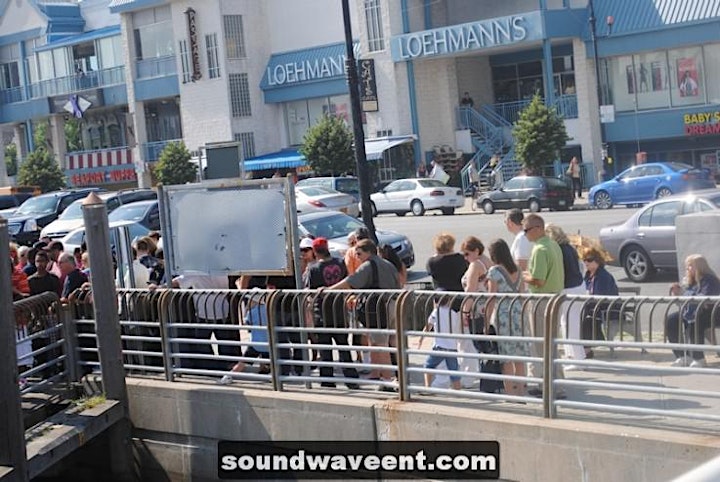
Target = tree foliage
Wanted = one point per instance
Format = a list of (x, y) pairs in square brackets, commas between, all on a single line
[(73, 136), (539, 135), (40, 169), (174, 165), (11, 159), (328, 146)]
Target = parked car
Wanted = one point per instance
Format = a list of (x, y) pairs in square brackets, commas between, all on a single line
[(25, 223), (311, 198), (72, 217), (416, 196), (528, 192), (646, 241), (75, 238), (335, 227), (646, 182), (344, 184), (10, 202), (146, 213)]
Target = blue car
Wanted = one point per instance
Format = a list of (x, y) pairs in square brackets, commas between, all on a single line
[(647, 182)]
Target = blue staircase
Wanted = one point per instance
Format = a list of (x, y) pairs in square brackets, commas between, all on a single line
[(491, 134)]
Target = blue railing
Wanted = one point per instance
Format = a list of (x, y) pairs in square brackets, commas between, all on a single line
[(15, 94), (566, 106), (152, 150), (75, 83), (156, 67)]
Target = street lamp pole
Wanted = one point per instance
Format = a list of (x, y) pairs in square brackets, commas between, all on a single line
[(361, 165), (593, 37)]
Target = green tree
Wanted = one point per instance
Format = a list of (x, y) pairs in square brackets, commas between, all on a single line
[(174, 166), (73, 136), (328, 146), (40, 169), (539, 135), (40, 136), (11, 159)]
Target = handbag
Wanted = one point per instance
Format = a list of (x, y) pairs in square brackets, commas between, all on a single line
[(491, 366)]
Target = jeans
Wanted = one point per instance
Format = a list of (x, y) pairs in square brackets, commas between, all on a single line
[(672, 329), (450, 361), (577, 186)]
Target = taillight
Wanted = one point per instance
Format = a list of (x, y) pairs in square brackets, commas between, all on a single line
[(316, 203), (437, 193)]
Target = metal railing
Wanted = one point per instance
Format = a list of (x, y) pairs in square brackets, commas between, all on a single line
[(12, 95), (152, 150), (156, 67), (566, 106), (76, 83), (291, 337)]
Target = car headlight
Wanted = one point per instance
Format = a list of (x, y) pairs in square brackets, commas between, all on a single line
[(30, 225)]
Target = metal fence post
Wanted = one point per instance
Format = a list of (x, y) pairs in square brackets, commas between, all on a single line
[(71, 342), (165, 344), (401, 345), (551, 320), (107, 322), (272, 342), (12, 430)]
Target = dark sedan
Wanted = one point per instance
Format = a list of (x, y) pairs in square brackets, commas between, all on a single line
[(528, 192)]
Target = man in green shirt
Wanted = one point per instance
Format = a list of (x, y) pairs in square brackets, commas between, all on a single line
[(545, 275)]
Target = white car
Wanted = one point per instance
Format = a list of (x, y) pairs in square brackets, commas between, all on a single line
[(313, 198), (75, 238), (417, 196)]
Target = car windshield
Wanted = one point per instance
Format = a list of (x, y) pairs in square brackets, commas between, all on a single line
[(679, 166), (347, 185), (38, 205), (329, 227), (715, 200), (73, 211), (314, 191), (431, 183), (127, 212), (552, 182)]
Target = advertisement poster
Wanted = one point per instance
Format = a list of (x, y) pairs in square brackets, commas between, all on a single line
[(687, 75), (657, 76)]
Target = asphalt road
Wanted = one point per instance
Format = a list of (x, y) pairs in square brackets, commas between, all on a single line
[(465, 223)]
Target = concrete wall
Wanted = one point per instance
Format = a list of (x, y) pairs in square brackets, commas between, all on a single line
[(177, 427), (697, 234)]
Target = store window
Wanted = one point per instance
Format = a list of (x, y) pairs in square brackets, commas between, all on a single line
[(373, 22), (687, 85), (651, 79), (9, 72), (234, 36), (185, 62), (240, 95), (111, 54), (211, 46), (712, 71), (621, 82), (153, 33), (302, 114)]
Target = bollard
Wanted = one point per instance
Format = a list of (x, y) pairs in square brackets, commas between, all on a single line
[(107, 322), (12, 430)]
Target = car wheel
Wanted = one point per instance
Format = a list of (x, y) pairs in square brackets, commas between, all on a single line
[(373, 209), (417, 208), (603, 200), (534, 206), (488, 207), (663, 191), (401, 213), (637, 264), (448, 211)]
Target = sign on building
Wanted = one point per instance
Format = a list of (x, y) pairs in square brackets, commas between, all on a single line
[(368, 87)]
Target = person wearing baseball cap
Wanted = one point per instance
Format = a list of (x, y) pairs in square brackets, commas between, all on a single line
[(329, 313), (307, 256)]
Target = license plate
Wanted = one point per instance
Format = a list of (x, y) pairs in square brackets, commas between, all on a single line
[(452, 201), (561, 202)]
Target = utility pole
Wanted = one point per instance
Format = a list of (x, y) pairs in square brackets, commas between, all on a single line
[(361, 165), (593, 37)]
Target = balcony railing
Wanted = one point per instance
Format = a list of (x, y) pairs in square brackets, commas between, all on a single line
[(156, 67), (566, 106), (152, 150), (9, 96), (75, 83)]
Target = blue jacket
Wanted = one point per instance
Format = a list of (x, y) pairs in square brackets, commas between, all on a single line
[(602, 284), (709, 285)]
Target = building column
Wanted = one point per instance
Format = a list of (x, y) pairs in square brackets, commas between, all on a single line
[(137, 114), (588, 107), (437, 94), (57, 138)]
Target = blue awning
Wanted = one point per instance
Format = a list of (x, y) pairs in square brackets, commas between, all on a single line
[(89, 36), (284, 159)]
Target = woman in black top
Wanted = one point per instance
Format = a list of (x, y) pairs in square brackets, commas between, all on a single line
[(447, 267), (571, 314)]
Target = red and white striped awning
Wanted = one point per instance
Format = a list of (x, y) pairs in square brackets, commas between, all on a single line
[(102, 158)]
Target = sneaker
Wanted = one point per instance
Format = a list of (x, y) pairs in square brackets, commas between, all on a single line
[(327, 384), (353, 386), (225, 380), (680, 362), (698, 363)]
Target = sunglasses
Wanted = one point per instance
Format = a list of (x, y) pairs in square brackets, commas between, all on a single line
[(590, 260)]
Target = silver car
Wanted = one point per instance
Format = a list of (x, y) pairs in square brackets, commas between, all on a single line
[(335, 227), (646, 241), (417, 196)]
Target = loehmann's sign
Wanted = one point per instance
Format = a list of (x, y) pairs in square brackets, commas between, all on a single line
[(468, 37), (702, 123)]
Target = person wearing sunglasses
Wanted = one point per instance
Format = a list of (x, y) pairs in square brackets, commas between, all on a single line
[(598, 282)]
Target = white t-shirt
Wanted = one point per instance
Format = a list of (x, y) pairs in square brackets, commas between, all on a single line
[(208, 306), (141, 276), (521, 247), (445, 320)]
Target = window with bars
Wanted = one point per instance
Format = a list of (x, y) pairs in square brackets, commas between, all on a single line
[(373, 22), (234, 37), (240, 95), (211, 46), (185, 62), (247, 140)]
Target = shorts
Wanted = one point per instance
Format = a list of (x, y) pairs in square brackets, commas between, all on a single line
[(450, 361)]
